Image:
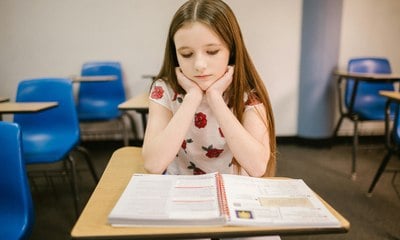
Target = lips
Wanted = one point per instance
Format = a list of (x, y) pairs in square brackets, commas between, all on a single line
[(203, 76)]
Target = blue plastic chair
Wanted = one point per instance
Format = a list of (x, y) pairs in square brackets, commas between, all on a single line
[(368, 104), (52, 135), (98, 101), (16, 209), (392, 146)]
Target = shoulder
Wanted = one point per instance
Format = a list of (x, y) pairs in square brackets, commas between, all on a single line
[(162, 93), (160, 89)]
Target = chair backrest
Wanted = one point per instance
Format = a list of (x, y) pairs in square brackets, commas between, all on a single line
[(16, 210), (62, 118), (367, 96), (48, 90), (100, 100)]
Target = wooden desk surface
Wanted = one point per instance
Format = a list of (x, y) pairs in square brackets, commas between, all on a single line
[(103, 78), (4, 99), (391, 95), (138, 102), (25, 107), (92, 223), (367, 76)]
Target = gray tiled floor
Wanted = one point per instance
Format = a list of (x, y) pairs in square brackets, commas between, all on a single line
[(325, 170)]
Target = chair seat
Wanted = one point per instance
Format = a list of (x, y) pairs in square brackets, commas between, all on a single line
[(11, 222), (46, 148), (14, 228)]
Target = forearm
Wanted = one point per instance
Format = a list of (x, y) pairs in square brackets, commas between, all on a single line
[(251, 152), (161, 144)]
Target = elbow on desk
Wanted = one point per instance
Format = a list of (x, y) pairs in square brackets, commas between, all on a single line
[(151, 166), (153, 170)]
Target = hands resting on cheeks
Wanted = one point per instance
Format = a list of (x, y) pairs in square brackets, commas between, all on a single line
[(218, 87)]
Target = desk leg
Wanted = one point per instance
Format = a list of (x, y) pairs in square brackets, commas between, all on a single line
[(380, 171)]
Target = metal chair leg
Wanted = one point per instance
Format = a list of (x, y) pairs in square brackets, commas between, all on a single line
[(125, 135), (132, 123), (354, 152), (74, 184), (89, 162), (338, 126), (381, 169)]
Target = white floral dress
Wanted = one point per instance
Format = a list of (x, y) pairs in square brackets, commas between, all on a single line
[(204, 148)]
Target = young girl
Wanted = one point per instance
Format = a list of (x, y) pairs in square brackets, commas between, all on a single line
[(209, 109)]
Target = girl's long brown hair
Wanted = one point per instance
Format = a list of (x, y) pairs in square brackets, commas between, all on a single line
[(220, 18)]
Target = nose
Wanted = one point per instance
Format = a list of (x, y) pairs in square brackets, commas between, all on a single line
[(200, 63)]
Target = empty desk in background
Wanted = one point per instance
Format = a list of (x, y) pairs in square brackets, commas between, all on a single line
[(357, 78), (140, 104), (4, 99), (366, 77), (24, 107), (93, 223), (103, 78)]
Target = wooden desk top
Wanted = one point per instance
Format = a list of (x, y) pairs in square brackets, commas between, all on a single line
[(92, 223), (391, 95), (104, 78), (136, 103), (4, 99), (367, 76), (25, 107)]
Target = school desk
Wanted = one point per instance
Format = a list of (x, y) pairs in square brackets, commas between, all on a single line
[(125, 161)]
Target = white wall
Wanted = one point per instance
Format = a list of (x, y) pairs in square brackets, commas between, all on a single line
[(53, 38), (370, 28)]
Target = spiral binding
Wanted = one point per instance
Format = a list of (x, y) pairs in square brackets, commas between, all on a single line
[(223, 204)]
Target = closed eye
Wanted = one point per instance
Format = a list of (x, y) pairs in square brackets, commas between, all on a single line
[(213, 52), (186, 55)]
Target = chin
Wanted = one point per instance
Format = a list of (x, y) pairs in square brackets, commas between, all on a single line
[(205, 85)]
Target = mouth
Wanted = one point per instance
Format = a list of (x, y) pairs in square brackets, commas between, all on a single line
[(204, 76)]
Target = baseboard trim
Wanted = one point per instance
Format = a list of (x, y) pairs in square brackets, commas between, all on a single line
[(329, 142)]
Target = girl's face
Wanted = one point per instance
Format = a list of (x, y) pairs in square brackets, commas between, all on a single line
[(202, 56)]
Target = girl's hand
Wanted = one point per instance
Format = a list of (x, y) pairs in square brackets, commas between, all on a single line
[(223, 83), (187, 84)]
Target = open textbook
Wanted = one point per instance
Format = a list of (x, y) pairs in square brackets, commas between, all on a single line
[(219, 199)]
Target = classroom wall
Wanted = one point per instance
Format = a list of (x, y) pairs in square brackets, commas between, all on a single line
[(53, 38), (370, 28)]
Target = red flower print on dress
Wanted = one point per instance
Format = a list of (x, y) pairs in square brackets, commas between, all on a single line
[(196, 170), (184, 143), (212, 152), (200, 120), (157, 92)]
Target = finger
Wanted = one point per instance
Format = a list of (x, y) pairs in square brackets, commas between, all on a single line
[(178, 72), (229, 72)]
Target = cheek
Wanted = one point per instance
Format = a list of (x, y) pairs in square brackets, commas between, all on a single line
[(182, 62)]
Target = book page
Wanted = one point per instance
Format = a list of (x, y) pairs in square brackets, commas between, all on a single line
[(274, 202), (168, 199)]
